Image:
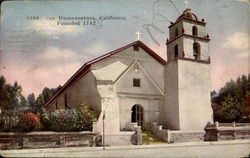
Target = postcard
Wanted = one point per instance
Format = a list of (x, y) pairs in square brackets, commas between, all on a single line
[(139, 66)]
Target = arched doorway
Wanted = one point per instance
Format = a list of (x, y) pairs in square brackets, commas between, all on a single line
[(137, 115)]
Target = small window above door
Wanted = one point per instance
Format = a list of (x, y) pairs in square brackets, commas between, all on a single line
[(136, 82)]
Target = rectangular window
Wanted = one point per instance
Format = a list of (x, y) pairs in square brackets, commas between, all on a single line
[(65, 101), (56, 105), (136, 82)]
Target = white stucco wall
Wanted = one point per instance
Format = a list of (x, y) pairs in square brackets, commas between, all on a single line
[(179, 26), (128, 56), (83, 91), (176, 95), (148, 63), (188, 25), (155, 70), (188, 48), (185, 43), (147, 87), (170, 48), (151, 110), (115, 76), (170, 110), (187, 99), (109, 104), (194, 95)]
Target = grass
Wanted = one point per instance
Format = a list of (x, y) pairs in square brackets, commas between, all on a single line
[(149, 138)]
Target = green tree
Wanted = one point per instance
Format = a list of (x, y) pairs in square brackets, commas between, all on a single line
[(4, 93), (45, 96), (14, 90), (246, 108), (31, 101), (234, 92), (55, 90), (22, 101), (212, 93), (231, 109), (39, 103), (217, 112), (10, 96)]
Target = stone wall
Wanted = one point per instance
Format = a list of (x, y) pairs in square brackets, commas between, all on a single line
[(186, 136), (124, 138), (227, 131), (131, 136), (34, 140), (159, 132), (173, 136)]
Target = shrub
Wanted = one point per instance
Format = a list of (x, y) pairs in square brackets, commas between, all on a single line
[(63, 120), (9, 122), (87, 116), (79, 118), (29, 122), (45, 120)]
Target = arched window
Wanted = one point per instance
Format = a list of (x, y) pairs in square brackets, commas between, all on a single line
[(196, 50), (194, 31), (176, 32), (176, 50)]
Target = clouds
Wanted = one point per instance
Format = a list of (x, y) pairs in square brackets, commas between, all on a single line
[(50, 27), (50, 53), (55, 54), (49, 68), (59, 61), (237, 41), (230, 59), (97, 48), (237, 44)]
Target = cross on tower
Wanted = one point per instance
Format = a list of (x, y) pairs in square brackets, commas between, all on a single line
[(138, 35), (186, 1)]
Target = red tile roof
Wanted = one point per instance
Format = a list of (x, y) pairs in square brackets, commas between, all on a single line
[(85, 68), (188, 15)]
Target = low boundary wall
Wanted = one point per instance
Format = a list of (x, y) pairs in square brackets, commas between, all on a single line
[(35, 140), (227, 131), (173, 136)]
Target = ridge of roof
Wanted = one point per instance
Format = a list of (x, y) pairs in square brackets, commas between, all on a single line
[(85, 68)]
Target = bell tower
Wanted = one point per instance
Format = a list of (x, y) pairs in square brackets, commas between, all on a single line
[(187, 75), (188, 38)]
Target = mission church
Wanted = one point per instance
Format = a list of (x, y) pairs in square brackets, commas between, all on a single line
[(134, 87)]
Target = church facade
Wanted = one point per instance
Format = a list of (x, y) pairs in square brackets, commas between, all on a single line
[(133, 86)]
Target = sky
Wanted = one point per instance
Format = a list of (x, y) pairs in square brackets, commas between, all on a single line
[(40, 52)]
